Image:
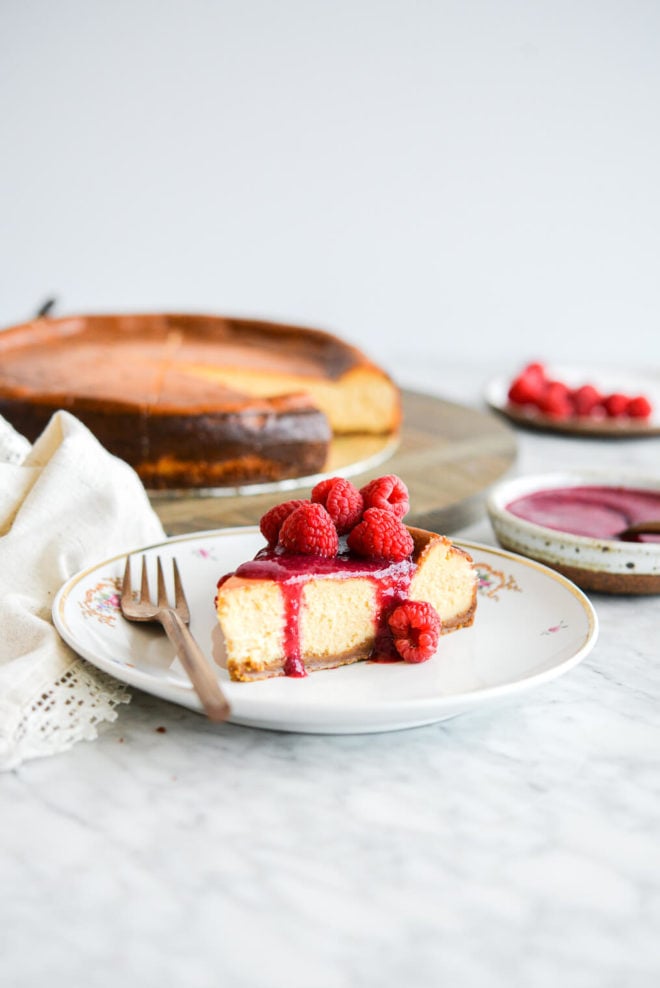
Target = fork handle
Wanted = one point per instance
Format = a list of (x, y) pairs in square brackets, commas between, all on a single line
[(196, 665)]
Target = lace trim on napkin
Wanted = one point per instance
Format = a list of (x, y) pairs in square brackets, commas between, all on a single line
[(68, 710)]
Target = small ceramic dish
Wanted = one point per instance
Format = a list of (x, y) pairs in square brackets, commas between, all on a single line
[(603, 563)]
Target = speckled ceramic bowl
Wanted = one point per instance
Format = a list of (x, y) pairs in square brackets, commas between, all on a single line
[(606, 565)]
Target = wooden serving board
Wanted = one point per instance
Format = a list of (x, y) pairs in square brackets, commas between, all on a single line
[(449, 456)]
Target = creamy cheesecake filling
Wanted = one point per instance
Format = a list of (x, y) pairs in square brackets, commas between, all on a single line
[(391, 582), (288, 614)]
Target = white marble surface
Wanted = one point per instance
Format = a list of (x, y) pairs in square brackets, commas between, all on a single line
[(517, 846)]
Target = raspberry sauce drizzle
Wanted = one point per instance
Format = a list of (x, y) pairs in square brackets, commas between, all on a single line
[(293, 662), (291, 571)]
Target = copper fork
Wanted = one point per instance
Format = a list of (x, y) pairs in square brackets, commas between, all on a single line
[(175, 620)]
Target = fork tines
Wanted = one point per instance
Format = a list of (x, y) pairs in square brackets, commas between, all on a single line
[(144, 595)]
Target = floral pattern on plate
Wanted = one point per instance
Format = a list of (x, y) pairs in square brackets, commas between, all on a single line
[(491, 581), (101, 601)]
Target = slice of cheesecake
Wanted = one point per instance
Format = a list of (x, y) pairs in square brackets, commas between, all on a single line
[(287, 614)]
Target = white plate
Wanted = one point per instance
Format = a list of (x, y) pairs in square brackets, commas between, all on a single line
[(607, 381), (531, 625)]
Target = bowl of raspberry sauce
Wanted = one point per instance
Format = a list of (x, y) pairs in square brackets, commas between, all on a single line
[(573, 521)]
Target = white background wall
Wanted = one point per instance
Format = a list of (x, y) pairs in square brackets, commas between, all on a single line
[(475, 178)]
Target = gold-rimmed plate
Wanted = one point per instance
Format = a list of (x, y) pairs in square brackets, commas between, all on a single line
[(532, 625)]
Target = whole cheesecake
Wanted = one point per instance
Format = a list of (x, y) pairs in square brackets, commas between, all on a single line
[(195, 400), (289, 613)]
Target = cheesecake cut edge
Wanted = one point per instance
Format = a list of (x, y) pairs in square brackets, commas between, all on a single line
[(456, 606)]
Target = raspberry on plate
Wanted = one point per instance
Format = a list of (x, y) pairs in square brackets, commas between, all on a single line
[(389, 493), (415, 627), (639, 407), (616, 405), (528, 387), (380, 535), (342, 500), (586, 399), (273, 520), (310, 531), (556, 401)]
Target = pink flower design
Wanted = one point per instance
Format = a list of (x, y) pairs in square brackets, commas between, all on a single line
[(555, 628), (102, 602), (204, 553)]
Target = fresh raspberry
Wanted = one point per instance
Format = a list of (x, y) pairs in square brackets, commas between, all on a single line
[(272, 521), (320, 492), (380, 535), (524, 392), (536, 370), (342, 500), (389, 493), (639, 407), (586, 400), (309, 530), (555, 401), (528, 387), (616, 405), (415, 627)]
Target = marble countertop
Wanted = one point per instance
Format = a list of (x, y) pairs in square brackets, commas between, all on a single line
[(514, 846)]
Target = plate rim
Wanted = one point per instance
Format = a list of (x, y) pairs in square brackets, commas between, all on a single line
[(405, 707)]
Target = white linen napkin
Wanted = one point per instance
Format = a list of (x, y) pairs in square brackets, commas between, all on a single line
[(64, 504)]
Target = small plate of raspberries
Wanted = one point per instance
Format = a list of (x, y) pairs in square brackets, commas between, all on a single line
[(581, 402)]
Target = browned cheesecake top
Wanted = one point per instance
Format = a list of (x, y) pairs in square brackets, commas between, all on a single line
[(165, 362)]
